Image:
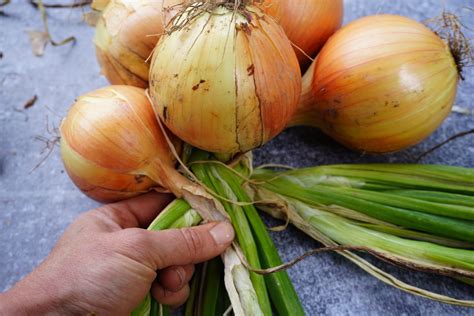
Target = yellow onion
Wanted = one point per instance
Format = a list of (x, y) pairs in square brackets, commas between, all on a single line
[(380, 84), (125, 36), (225, 81), (113, 148), (307, 23)]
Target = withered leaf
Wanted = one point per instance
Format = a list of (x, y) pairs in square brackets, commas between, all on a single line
[(30, 102), (38, 41)]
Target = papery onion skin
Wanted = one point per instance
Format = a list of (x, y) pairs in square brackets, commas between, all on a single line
[(99, 5), (125, 36), (381, 84), (307, 23), (225, 82), (112, 145)]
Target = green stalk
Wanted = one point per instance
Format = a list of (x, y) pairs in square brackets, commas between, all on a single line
[(347, 232), (428, 177), (174, 211), (192, 302), (144, 307), (409, 203), (281, 289), (177, 214), (242, 230), (440, 197), (410, 234), (190, 218), (213, 285), (223, 301), (155, 306), (327, 195)]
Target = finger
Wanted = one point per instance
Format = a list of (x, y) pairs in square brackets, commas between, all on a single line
[(173, 247), (136, 212), (189, 245), (165, 297), (176, 277)]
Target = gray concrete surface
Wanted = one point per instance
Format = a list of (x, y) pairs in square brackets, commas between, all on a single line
[(36, 207)]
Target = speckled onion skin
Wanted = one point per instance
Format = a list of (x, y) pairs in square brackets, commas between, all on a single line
[(226, 83), (383, 83), (307, 23)]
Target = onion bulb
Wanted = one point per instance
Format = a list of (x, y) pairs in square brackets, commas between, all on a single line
[(113, 148), (225, 81), (380, 84), (307, 23), (125, 36)]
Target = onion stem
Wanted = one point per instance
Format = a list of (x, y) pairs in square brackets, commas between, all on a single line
[(281, 289), (347, 232), (177, 214), (192, 302), (213, 285), (358, 187), (241, 227), (172, 213)]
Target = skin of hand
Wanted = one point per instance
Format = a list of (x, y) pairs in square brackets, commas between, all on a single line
[(105, 263)]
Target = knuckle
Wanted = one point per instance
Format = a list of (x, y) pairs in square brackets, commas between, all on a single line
[(193, 241)]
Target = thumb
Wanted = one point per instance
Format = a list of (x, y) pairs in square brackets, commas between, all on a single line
[(187, 245)]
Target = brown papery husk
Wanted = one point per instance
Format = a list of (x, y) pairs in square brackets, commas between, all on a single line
[(449, 27), (193, 8)]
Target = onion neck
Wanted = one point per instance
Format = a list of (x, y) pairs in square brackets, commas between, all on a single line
[(168, 177), (305, 115)]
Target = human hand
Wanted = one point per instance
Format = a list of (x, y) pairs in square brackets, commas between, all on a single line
[(104, 264)]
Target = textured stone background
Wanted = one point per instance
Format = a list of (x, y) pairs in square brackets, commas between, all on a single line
[(36, 207)]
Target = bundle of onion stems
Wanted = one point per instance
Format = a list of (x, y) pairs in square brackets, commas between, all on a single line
[(416, 216), (236, 86)]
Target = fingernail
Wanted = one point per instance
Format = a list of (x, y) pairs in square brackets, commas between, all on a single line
[(223, 233)]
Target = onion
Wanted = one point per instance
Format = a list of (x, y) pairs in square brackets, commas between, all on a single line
[(113, 148), (225, 81), (126, 34), (381, 84), (307, 23)]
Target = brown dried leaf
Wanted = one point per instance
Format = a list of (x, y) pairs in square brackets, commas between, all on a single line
[(38, 41), (30, 102)]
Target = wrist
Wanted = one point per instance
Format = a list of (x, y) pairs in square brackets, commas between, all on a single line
[(33, 296), (10, 304)]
